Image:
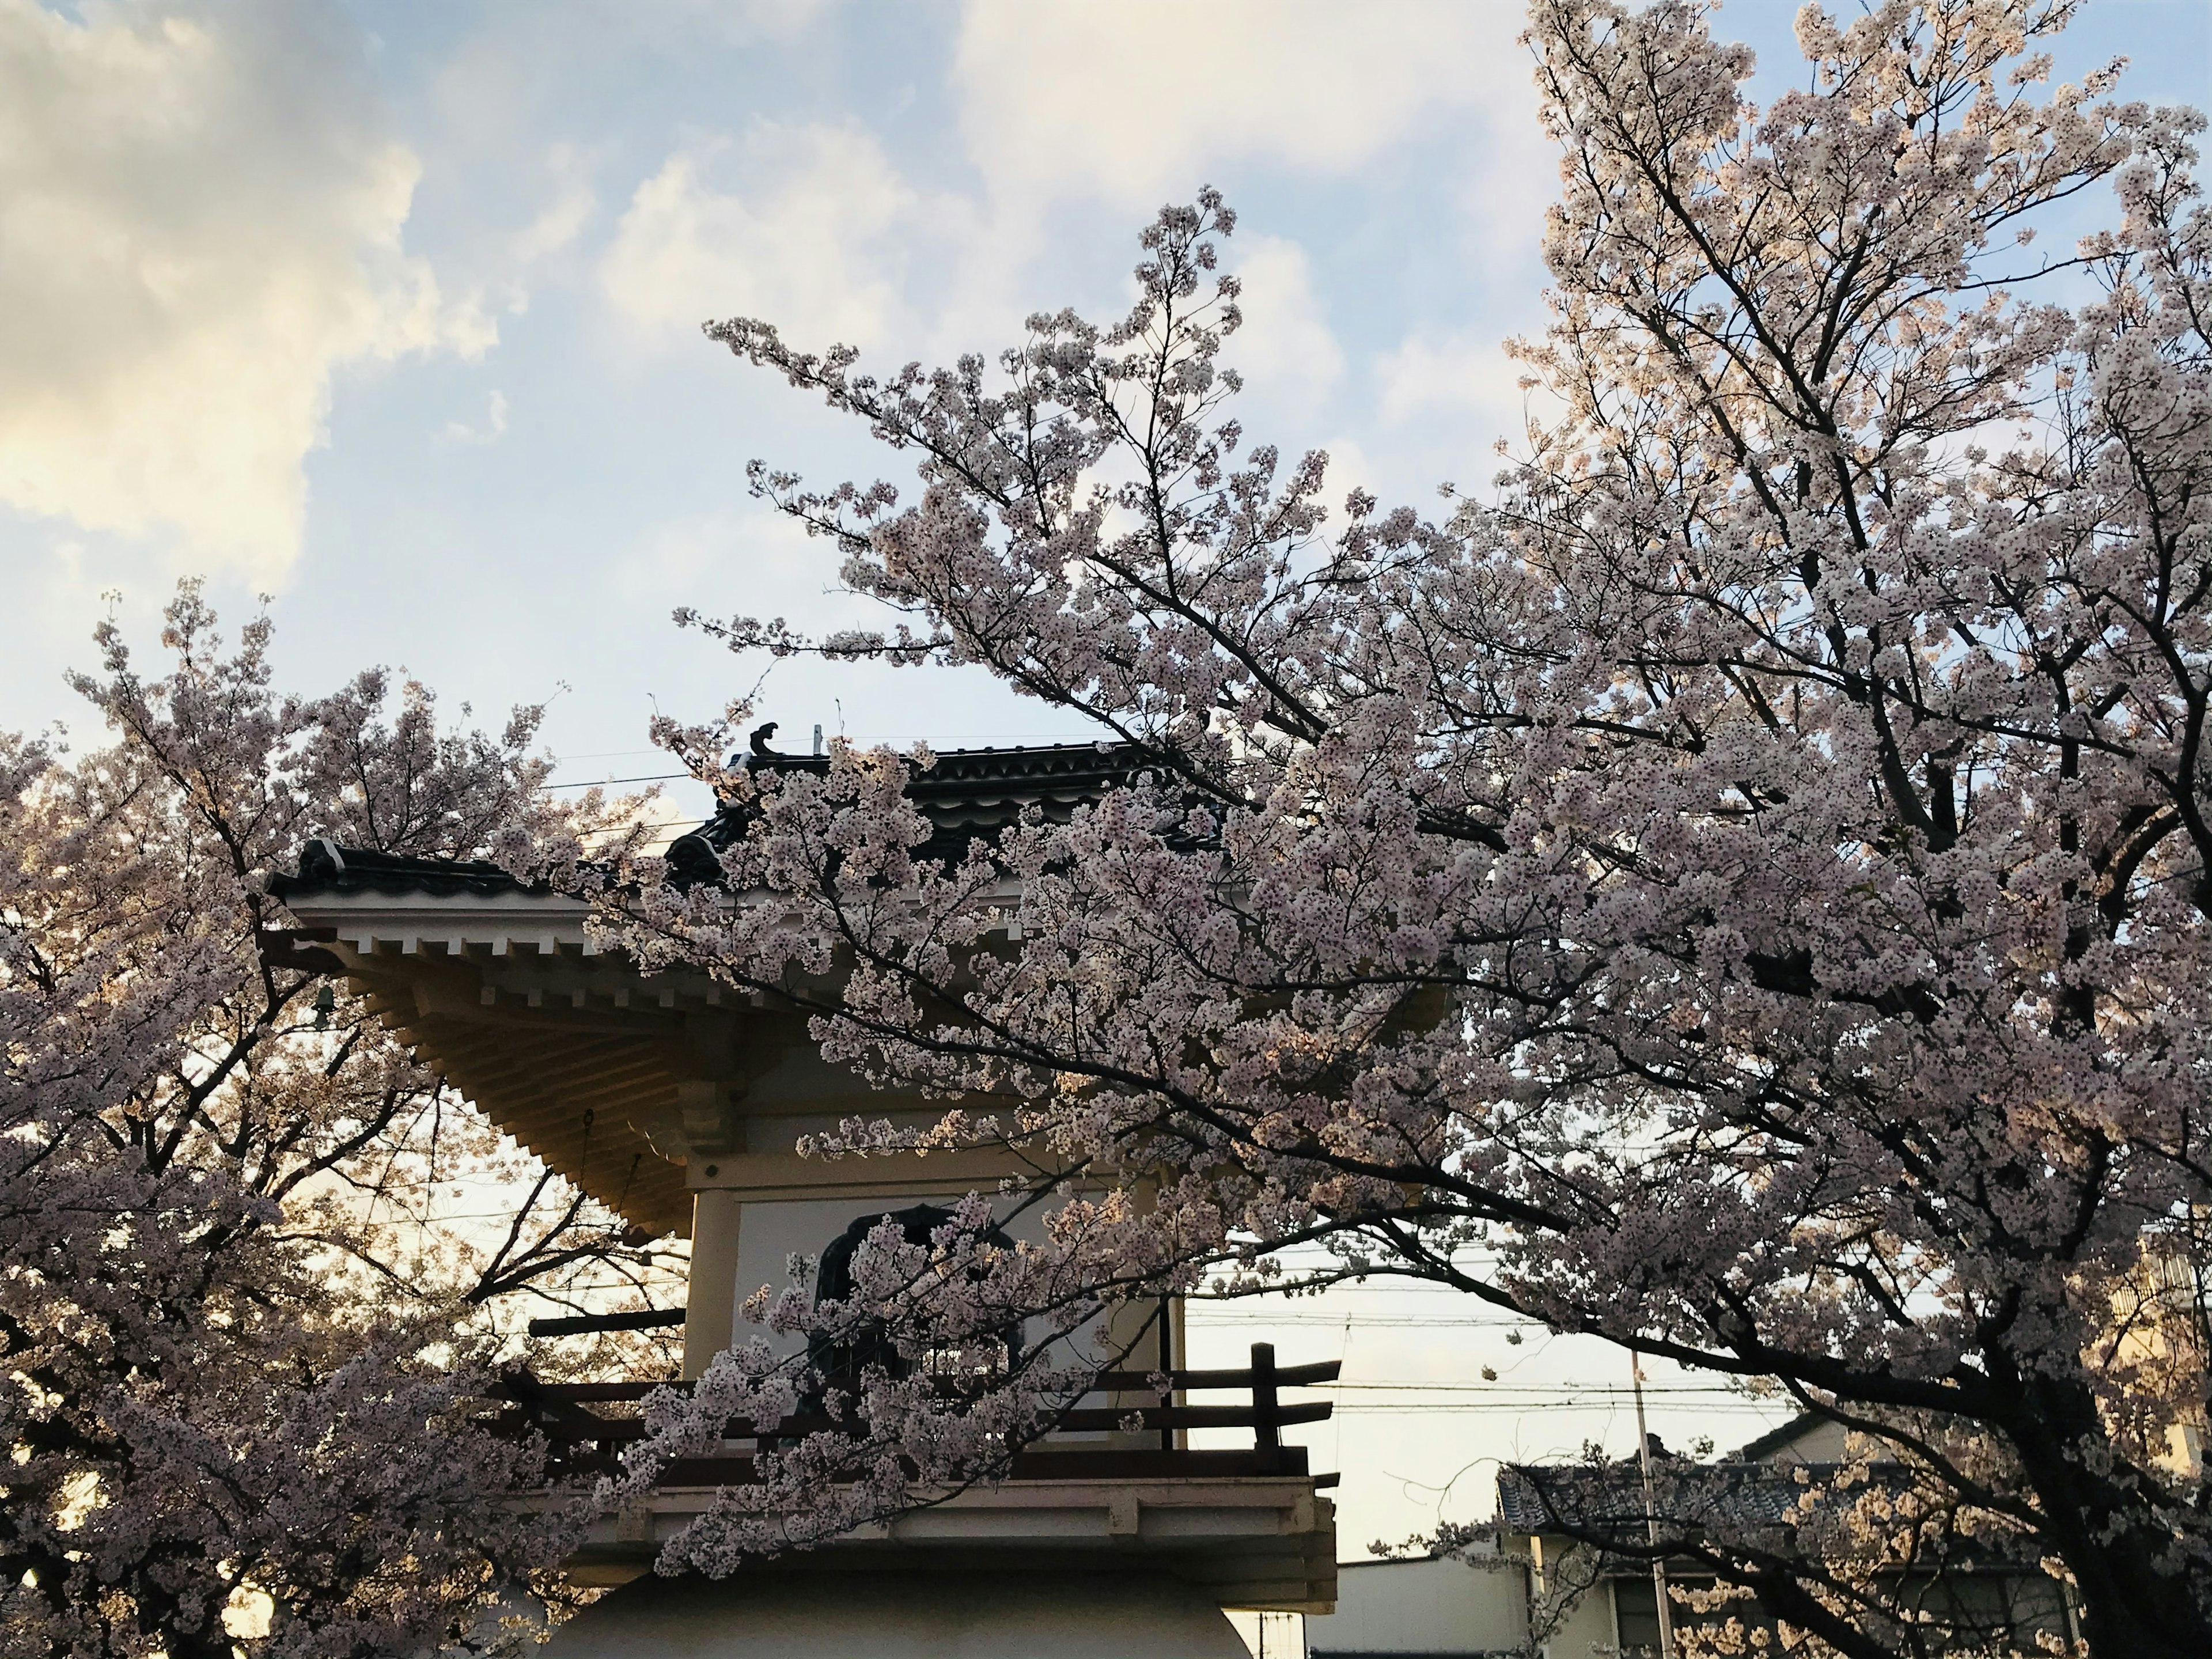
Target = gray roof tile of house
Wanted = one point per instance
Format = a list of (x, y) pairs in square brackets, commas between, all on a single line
[(1606, 1499), (1789, 1505)]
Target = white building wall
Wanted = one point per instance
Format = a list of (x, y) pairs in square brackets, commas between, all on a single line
[(1452, 1608), (882, 1614), (771, 1234), (1589, 1630)]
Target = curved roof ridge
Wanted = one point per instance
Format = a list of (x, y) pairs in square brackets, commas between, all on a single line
[(966, 793)]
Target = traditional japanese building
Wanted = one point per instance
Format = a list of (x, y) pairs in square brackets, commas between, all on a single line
[(676, 1101)]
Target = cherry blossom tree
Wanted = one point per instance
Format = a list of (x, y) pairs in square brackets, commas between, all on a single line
[(1740, 889), (243, 1363)]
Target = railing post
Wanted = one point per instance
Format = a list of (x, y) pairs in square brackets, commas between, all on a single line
[(1168, 1358), (1267, 1425)]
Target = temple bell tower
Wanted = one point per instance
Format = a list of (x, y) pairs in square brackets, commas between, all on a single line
[(677, 1102)]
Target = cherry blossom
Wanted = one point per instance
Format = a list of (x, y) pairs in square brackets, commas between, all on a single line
[(1739, 888), (247, 1376)]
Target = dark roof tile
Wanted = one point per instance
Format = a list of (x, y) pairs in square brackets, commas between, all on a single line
[(967, 793), (326, 867)]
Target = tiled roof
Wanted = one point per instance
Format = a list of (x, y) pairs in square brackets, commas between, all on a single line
[(1731, 1499), (326, 867), (1606, 1499), (568, 1047), (967, 792)]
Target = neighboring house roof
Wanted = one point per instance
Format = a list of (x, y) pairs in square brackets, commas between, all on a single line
[(1790, 1505), (1607, 1500)]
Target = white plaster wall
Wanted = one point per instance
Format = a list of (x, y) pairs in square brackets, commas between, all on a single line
[(1424, 1606), (770, 1235), (1587, 1631), (1819, 1442), (864, 1614)]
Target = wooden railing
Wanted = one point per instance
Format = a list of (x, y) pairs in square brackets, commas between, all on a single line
[(585, 1442), (643, 1319)]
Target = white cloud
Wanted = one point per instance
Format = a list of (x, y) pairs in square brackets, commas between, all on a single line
[(745, 21), (808, 226), (1463, 384), (668, 562), (200, 223), (1285, 350), (770, 558), (1447, 400), (493, 429), (683, 25), (564, 218), (1133, 99), (1349, 468)]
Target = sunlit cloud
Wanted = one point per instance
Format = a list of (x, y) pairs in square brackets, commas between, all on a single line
[(1117, 97), (810, 226), (201, 219)]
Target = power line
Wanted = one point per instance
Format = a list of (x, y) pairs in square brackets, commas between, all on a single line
[(601, 783), (1522, 1408), (1497, 1388), (1408, 1321)]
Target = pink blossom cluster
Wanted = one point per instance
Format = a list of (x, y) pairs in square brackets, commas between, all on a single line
[(244, 1367), (1740, 888)]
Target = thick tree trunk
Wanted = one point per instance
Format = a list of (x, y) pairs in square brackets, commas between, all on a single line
[(2119, 1631), (2132, 1606)]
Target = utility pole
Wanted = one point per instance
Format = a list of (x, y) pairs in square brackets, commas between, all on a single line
[(1652, 1514)]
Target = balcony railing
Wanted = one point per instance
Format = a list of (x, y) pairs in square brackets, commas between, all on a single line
[(585, 1442)]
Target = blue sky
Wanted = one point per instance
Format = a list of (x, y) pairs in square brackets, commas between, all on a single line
[(390, 311)]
